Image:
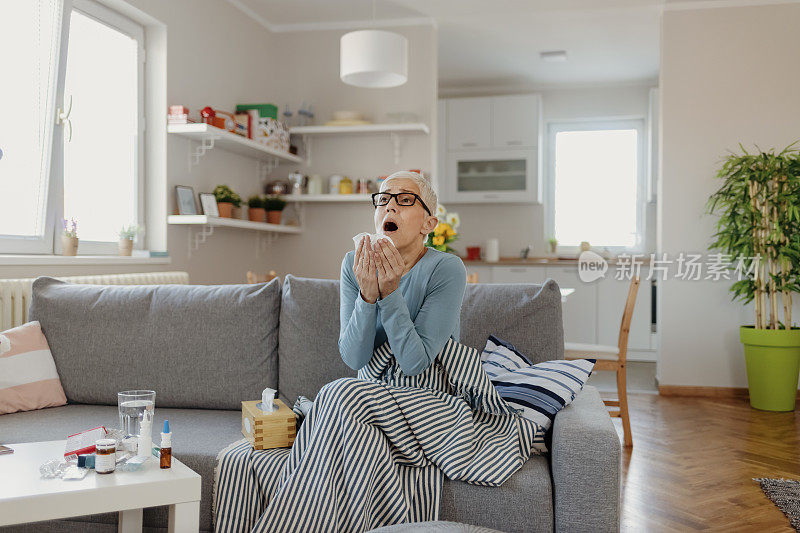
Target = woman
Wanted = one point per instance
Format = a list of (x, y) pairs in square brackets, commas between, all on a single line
[(374, 450), (400, 291)]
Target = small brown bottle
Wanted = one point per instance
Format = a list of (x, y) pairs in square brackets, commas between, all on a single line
[(166, 446)]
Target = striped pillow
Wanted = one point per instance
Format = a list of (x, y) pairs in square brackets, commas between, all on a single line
[(540, 391), (28, 376)]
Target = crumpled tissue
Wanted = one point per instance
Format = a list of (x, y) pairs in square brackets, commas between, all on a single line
[(373, 238)]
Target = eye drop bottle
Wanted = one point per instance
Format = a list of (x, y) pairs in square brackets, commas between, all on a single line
[(166, 446)]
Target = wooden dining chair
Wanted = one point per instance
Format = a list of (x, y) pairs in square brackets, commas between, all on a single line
[(255, 277), (614, 359)]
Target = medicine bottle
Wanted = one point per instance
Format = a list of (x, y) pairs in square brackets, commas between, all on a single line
[(105, 460)]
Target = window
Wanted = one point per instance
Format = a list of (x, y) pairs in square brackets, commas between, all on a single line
[(73, 146), (595, 185), (31, 29)]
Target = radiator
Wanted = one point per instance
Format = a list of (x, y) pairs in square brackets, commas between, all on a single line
[(15, 294)]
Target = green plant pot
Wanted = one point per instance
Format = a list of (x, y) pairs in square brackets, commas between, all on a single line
[(772, 357)]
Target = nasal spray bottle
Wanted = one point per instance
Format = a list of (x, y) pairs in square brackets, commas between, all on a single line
[(145, 439), (166, 446)]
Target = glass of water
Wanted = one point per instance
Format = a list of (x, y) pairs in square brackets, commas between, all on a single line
[(132, 406)]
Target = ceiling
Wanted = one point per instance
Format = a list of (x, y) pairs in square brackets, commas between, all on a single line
[(496, 43)]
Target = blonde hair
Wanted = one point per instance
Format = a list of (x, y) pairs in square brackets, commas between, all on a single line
[(426, 191)]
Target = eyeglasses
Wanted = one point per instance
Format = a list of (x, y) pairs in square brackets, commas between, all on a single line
[(404, 199)]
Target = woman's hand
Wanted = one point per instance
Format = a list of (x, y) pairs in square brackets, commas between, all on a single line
[(365, 269), (390, 267)]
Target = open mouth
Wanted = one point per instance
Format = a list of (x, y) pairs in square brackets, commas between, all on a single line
[(389, 226)]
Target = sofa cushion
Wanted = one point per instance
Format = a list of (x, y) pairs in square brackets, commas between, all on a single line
[(197, 346), (526, 315), (198, 435), (28, 376), (308, 338), (523, 503)]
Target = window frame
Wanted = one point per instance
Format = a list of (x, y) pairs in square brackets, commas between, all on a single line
[(43, 244), (123, 24), (49, 243), (594, 124)]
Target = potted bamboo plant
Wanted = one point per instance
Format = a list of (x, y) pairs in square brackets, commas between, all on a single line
[(227, 199), (255, 209), (759, 224), (274, 205)]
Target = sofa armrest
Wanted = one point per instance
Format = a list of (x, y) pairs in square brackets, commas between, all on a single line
[(585, 462)]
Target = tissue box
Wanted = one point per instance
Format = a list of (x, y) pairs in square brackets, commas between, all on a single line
[(268, 430)]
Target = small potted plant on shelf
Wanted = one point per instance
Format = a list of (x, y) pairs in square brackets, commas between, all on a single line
[(69, 239), (553, 243), (126, 238), (255, 209), (227, 199), (274, 205), (758, 205)]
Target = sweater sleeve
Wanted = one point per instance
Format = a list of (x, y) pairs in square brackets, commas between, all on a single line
[(356, 319), (416, 344)]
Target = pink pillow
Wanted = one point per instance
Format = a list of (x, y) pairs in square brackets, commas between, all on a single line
[(28, 376)]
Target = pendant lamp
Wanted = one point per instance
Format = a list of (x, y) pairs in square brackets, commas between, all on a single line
[(373, 59)]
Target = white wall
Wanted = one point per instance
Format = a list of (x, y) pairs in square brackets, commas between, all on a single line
[(517, 226), (727, 76)]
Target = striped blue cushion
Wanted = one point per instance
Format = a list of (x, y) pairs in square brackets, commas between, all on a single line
[(539, 391)]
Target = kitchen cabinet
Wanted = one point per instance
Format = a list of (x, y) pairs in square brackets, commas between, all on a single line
[(579, 312), (515, 121), (523, 274), (492, 150), (497, 176), (611, 296), (485, 273), (468, 123)]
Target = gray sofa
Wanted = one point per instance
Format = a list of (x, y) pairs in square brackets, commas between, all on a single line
[(204, 349)]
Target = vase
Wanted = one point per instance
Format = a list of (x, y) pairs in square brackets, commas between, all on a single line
[(274, 217), (125, 247), (257, 214), (772, 358), (225, 209), (69, 245)]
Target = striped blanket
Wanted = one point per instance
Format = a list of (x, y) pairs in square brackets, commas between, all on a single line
[(373, 450)]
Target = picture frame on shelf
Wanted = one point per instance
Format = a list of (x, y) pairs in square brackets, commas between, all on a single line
[(208, 202), (185, 198)]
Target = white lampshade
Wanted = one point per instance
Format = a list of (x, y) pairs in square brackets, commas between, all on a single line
[(373, 58)]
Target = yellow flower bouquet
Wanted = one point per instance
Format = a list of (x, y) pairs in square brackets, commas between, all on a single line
[(446, 231)]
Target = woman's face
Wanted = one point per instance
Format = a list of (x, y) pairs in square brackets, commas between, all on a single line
[(405, 225)]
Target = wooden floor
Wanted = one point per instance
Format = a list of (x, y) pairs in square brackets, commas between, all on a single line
[(693, 461)]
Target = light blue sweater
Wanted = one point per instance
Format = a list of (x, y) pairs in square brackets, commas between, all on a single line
[(417, 318)]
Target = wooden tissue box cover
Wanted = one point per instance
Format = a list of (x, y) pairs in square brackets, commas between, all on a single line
[(268, 430)]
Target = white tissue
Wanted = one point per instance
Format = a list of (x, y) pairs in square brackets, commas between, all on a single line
[(373, 238), (267, 397), (5, 344)]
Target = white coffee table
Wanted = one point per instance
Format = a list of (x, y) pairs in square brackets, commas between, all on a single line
[(26, 497)]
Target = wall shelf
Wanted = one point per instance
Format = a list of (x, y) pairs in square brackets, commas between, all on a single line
[(328, 198), (265, 233), (415, 127), (307, 133), (209, 137)]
